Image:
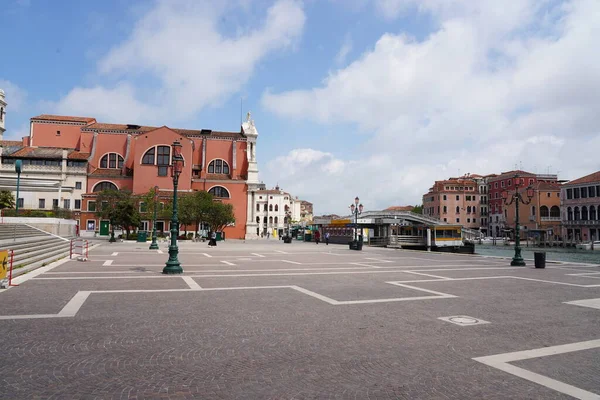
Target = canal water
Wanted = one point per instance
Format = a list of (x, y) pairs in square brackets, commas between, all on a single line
[(552, 253)]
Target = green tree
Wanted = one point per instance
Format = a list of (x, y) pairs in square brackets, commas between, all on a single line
[(194, 208), (7, 200), (120, 209), (219, 215), (418, 209)]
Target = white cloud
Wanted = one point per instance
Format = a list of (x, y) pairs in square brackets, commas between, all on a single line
[(15, 95), (496, 84), (340, 57), (179, 46)]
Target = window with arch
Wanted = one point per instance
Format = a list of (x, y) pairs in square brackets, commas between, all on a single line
[(257, 220), (219, 192), (270, 220), (257, 208), (286, 208), (105, 186), (555, 212), (111, 160), (265, 207), (445, 209), (265, 220), (469, 210), (1, 113), (584, 213), (569, 214), (218, 167), (159, 156), (544, 212), (276, 219), (270, 207), (592, 213), (577, 214), (276, 207), (457, 209)]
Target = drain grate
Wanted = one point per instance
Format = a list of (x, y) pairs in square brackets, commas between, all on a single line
[(463, 320)]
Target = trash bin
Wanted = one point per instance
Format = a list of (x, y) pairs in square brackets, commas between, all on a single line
[(540, 259), (142, 236)]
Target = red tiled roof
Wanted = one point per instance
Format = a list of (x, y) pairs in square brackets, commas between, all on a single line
[(591, 178), (76, 155), (48, 117), (107, 172), (98, 126), (399, 208), (548, 186), (8, 143), (22, 152)]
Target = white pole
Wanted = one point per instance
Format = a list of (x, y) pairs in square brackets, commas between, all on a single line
[(428, 239)]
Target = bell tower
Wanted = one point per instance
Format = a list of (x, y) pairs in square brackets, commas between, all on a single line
[(2, 114), (252, 181)]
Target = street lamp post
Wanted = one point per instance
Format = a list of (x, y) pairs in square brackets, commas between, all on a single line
[(154, 245), (18, 169), (356, 209), (173, 266), (517, 198)]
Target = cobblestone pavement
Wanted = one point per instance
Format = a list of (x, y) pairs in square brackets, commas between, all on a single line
[(268, 320)]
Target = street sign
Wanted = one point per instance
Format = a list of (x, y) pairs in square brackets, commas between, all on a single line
[(4, 264)]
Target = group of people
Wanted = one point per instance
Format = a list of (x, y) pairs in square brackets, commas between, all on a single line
[(318, 237)]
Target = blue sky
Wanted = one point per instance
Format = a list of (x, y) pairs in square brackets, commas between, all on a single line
[(376, 98)]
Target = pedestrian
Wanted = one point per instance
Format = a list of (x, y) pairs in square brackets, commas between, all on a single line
[(327, 238), (213, 239), (317, 237)]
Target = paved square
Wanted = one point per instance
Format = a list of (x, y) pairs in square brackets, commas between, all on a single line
[(265, 319)]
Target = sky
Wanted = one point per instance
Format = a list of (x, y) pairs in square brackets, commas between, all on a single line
[(368, 98)]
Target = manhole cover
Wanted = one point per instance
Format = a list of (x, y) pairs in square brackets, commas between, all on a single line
[(463, 320)]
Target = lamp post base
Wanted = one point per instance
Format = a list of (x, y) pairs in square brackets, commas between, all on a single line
[(172, 267), (518, 262), (153, 246)]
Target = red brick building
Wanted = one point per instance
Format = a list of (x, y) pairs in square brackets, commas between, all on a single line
[(137, 158)]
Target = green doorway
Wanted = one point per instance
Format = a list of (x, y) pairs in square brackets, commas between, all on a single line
[(104, 228)]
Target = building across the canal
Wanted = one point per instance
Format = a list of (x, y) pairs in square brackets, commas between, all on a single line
[(580, 209)]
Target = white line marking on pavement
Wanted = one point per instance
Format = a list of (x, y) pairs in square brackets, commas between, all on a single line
[(191, 282), (206, 255), (71, 308), (159, 251), (115, 253), (282, 252), (500, 361), (429, 275), (291, 262), (227, 262), (107, 263), (380, 260), (592, 303), (257, 255)]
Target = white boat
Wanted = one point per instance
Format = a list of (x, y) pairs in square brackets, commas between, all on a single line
[(588, 245)]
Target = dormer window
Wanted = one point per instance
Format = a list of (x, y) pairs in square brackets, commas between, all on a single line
[(159, 156), (111, 160)]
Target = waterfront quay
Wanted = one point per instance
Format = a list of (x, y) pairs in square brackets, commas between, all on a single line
[(264, 319)]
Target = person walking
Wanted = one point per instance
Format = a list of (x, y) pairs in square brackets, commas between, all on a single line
[(213, 239), (327, 238), (317, 237)]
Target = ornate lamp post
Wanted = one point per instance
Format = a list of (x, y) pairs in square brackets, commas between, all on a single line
[(154, 245), (173, 266), (356, 209), (517, 198)]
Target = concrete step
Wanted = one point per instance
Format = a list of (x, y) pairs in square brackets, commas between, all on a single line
[(37, 249), (26, 242), (40, 260)]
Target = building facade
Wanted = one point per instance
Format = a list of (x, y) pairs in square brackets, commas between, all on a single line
[(274, 210), (3, 105), (580, 209)]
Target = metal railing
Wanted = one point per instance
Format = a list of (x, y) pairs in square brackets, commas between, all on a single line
[(550, 218), (581, 222)]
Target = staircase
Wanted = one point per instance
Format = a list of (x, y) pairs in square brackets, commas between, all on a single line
[(32, 247)]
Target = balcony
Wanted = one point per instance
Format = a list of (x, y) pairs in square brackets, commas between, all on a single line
[(550, 219), (581, 222)]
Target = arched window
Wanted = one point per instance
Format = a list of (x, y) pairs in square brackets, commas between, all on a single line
[(148, 158), (286, 208), (276, 207), (1, 113), (569, 214), (584, 213), (111, 160), (555, 212), (469, 210), (258, 207), (270, 207), (265, 207), (265, 220), (457, 209), (257, 220), (218, 167), (592, 213), (577, 214), (474, 210), (544, 212), (100, 186), (219, 191), (276, 219), (445, 209), (270, 220)]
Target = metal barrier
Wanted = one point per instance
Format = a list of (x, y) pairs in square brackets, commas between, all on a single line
[(79, 248)]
